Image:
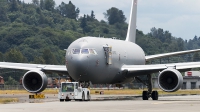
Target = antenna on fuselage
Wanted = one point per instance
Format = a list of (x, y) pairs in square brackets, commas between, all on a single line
[(131, 33)]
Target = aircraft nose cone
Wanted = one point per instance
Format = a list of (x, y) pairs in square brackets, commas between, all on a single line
[(77, 66)]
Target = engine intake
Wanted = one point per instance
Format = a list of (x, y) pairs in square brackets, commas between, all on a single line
[(170, 80), (34, 81)]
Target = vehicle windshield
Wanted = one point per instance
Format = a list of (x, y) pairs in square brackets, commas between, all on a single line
[(67, 87)]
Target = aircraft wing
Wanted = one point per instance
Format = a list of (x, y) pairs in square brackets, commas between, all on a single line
[(170, 54), (136, 70), (27, 66)]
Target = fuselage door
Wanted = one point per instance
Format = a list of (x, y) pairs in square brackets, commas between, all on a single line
[(108, 54)]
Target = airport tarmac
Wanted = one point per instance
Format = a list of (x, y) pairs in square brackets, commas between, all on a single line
[(164, 104)]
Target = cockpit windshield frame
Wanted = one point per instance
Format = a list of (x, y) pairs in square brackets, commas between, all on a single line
[(84, 51), (76, 51), (93, 51)]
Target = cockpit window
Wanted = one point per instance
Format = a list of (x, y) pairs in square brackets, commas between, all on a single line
[(84, 51), (92, 51), (75, 51)]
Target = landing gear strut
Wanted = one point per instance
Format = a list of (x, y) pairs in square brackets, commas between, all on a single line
[(85, 84), (149, 93)]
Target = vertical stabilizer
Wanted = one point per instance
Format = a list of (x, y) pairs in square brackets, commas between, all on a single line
[(131, 34)]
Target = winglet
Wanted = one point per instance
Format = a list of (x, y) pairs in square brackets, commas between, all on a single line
[(131, 34)]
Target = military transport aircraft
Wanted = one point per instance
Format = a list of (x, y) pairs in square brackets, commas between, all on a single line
[(108, 61)]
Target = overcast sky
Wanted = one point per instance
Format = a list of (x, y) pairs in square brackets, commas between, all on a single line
[(180, 17)]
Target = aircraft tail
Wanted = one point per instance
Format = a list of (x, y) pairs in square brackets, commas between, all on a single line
[(131, 34)]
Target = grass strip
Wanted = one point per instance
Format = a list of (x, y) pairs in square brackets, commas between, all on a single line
[(8, 100), (109, 92), (139, 92)]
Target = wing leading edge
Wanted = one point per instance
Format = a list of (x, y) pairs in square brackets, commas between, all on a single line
[(136, 70), (40, 67), (170, 54)]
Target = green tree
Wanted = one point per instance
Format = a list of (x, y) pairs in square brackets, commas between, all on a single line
[(69, 10), (49, 57), (1, 57), (3, 15), (196, 57), (62, 9), (39, 60), (17, 33), (30, 29), (3, 11), (92, 15), (83, 22), (13, 6), (49, 5), (77, 12), (164, 36), (35, 2), (42, 4), (14, 55), (114, 15), (11, 81), (180, 44)]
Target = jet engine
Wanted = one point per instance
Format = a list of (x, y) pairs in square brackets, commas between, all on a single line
[(34, 81), (170, 80)]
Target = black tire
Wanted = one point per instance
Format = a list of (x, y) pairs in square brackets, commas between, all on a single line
[(88, 96), (61, 100), (145, 95), (83, 96), (67, 100), (154, 95)]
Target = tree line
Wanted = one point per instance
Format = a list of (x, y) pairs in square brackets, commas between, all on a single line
[(38, 32)]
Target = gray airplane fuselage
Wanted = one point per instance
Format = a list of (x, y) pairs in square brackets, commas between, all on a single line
[(87, 59)]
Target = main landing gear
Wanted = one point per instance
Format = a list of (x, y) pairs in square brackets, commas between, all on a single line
[(149, 93), (85, 84)]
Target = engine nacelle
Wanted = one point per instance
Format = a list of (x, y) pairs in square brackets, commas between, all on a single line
[(170, 80), (34, 81)]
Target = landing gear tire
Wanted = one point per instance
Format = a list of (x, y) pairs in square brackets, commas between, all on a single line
[(145, 95), (154, 95), (149, 93), (88, 97), (83, 97), (67, 100), (61, 100)]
